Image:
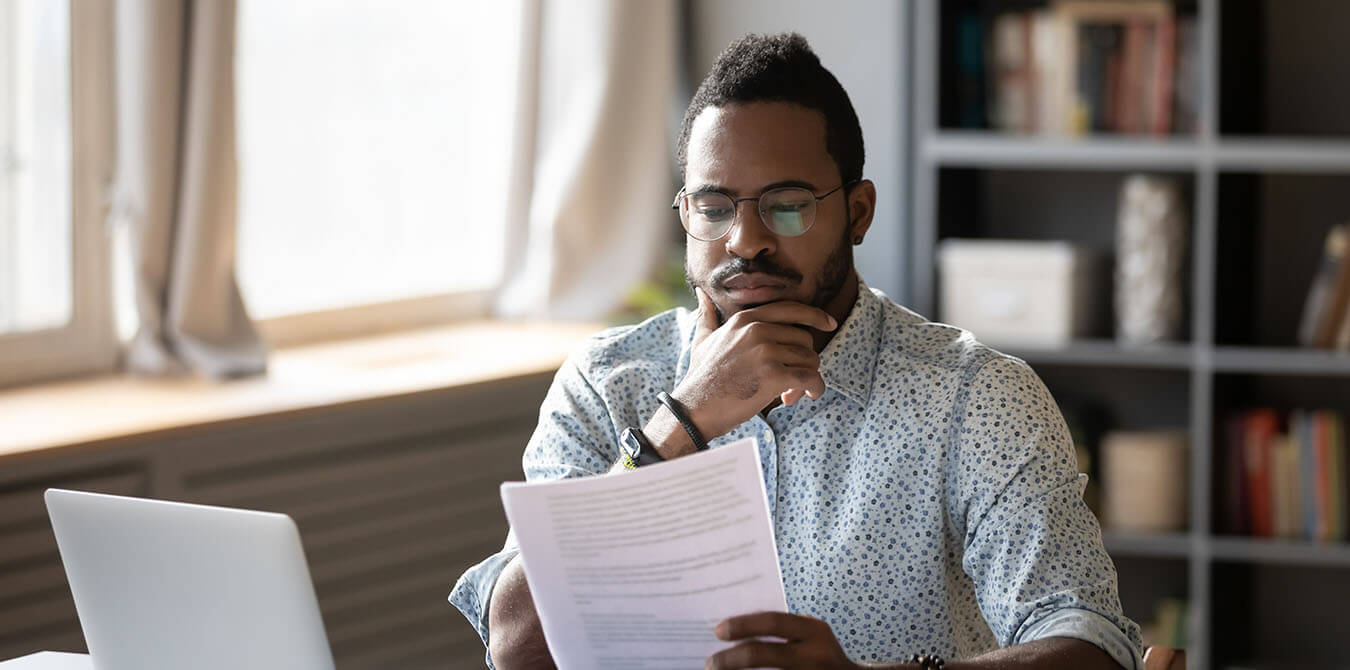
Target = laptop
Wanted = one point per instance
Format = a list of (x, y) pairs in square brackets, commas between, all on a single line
[(171, 585)]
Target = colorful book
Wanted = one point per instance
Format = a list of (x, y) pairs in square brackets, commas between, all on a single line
[(1336, 477), (1299, 429), (1321, 491), (1262, 425)]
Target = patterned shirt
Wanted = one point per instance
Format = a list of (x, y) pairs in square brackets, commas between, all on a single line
[(928, 501)]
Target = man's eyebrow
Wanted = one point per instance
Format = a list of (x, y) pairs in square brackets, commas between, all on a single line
[(715, 188)]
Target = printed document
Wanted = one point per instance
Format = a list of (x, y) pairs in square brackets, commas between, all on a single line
[(633, 570)]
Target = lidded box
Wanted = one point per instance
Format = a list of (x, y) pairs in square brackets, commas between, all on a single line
[(1021, 291)]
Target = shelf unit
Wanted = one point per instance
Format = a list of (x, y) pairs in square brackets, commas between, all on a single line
[(1247, 152)]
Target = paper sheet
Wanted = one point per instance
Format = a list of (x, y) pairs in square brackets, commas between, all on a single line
[(634, 570)]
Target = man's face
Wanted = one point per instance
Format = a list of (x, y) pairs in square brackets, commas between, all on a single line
[(743, 150)]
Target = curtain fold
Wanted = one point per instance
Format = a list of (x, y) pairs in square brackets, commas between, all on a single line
[(176, 187), (593, 168)]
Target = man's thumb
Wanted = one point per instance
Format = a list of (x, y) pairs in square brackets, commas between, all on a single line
[(707, 315)]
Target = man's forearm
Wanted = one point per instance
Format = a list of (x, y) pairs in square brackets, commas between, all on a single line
[(1053, 653), (515, 638)]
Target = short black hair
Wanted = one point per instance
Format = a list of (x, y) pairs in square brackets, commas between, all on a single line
[(780, 68)]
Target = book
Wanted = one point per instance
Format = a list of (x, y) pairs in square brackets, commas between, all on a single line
[(1186, 89), (1336, 492), (1321, 489), (1081, 66), (1163, 75), (1010, 72), (1300, 431), (1260, 429)]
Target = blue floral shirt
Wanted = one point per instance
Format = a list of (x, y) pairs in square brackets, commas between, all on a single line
[(929, 501)]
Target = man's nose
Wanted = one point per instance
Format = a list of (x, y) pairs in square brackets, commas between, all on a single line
[(749, 237)]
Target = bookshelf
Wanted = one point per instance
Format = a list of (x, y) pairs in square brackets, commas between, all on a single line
[(1266, 171)]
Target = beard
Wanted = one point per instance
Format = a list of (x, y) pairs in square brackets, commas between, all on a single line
[(829, 283)]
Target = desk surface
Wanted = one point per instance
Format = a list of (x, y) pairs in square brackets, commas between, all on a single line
[(49, 660)]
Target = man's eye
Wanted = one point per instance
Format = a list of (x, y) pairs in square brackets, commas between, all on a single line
[(714, 213), (787, 207)]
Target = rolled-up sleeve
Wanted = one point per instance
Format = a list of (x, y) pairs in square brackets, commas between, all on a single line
[(1032, 547), (573, 439), (473, 591)]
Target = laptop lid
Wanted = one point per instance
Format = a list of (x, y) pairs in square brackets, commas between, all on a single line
[(172, 585)]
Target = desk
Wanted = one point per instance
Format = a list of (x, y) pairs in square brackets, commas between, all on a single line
[(49, 660)]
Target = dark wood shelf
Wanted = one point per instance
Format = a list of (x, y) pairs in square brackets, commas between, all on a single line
[(1147, 545), (1105, 353), (1291, 552), (1278, 360)]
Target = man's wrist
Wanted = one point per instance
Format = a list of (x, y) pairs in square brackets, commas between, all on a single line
[(666, 434)]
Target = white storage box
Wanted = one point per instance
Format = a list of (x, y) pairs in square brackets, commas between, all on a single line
[(1021, 292)]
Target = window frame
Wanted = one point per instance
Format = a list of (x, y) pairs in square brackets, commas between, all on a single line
[(88, 342)]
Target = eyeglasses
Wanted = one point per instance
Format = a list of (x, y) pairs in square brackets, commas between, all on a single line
[(788, 211)]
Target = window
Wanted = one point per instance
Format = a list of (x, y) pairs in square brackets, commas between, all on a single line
[(373, 153), (35, 166), (56, 129)]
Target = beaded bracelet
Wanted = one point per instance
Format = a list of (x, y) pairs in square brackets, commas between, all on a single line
[(928, 661)]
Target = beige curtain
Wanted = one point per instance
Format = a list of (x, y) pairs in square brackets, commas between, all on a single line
[(593, 155), (176, 187)]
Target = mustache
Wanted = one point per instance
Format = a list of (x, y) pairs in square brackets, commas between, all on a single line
[(756, 265)]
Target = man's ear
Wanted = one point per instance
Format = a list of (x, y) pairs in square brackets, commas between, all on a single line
[(862, 203)]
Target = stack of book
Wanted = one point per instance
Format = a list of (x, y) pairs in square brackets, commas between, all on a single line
[(1326, 312), (1285, 474), (1080, 66)]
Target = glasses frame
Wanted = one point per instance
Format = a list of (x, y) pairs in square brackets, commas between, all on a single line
[(736, 205)]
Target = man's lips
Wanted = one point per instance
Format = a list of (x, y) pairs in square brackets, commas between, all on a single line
[(754, 288), (754, 280)]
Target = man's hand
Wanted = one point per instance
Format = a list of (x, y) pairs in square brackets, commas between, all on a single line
[(808, 643), (758, 355)]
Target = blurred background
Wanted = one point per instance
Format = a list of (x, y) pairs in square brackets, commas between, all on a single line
[(322, 258)]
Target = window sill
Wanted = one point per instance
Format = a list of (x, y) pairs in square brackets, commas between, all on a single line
[(41, 418)]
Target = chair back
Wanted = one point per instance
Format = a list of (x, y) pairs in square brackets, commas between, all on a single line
[(1164, 658)]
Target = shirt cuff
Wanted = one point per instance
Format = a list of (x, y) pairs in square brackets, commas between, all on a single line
[(473, 593), (1087, 626)]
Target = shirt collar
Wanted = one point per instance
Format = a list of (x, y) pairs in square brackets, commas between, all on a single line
[(848, 362)]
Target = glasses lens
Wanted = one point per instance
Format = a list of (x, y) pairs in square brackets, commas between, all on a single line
[(788, 211), (707, 216)]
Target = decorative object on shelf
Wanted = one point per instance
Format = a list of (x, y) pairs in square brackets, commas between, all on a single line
[(1144, 475), (1151, 245), (1019, 291), (1326, 311)]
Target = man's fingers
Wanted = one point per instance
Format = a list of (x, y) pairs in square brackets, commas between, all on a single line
[(778, 333), (791, 396), (707, 316), (753, 655), (791, 627), (790, 312)]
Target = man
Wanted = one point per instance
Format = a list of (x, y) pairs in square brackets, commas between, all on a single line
[(923, 487)]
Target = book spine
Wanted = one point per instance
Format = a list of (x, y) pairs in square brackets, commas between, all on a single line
[(1163, 75), (1259, 433), (1321, 453)]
